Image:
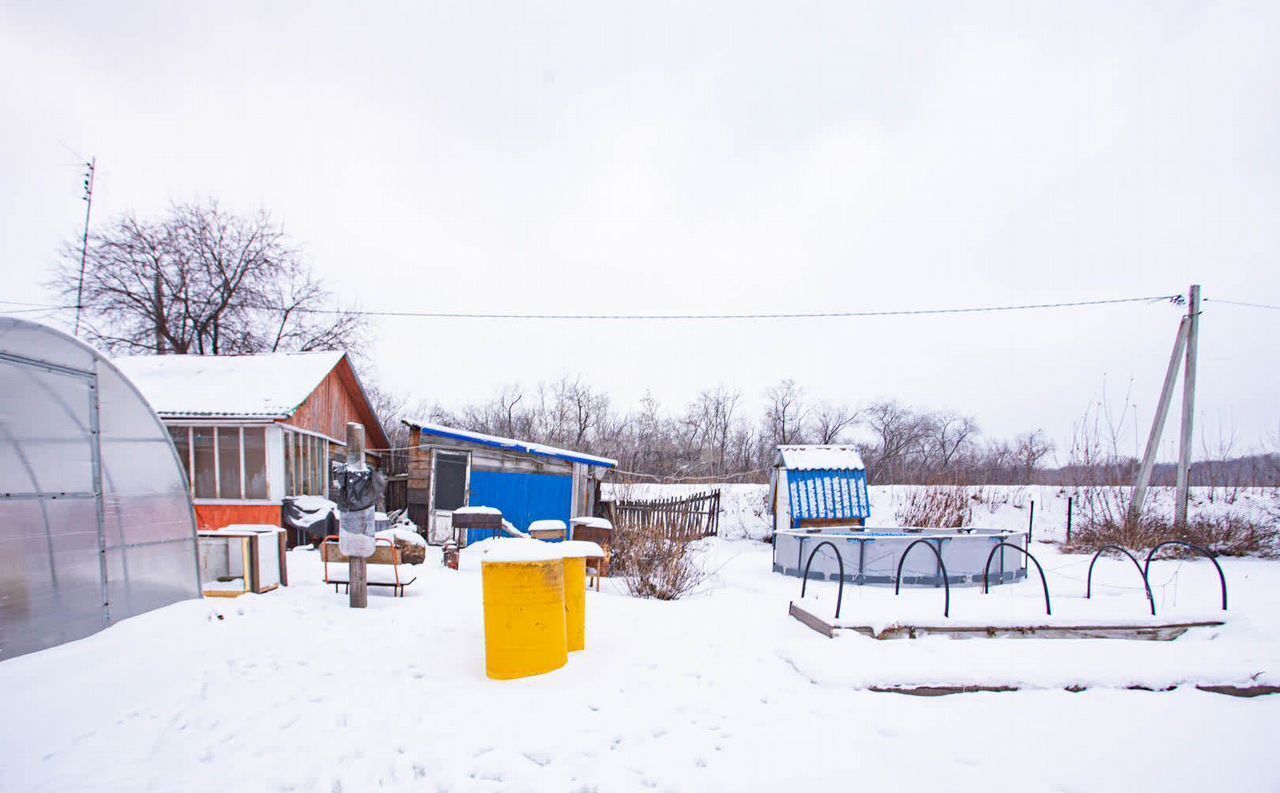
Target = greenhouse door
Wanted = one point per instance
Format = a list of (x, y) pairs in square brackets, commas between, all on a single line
[(450, 480)]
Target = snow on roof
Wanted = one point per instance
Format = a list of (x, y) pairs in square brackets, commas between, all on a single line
[(819, 458), (510, 444), (272, 385)]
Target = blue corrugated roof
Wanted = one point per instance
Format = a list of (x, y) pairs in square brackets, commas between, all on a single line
[(828, 495), (511, 445)]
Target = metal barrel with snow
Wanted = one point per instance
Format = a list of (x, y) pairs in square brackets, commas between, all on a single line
[(525, 631), (575, 554)]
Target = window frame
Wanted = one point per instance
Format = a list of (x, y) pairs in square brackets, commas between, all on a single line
[(219, 428), (300, 461)]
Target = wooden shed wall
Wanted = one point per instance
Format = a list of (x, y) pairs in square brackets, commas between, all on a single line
[(483, 458), (337, 400)]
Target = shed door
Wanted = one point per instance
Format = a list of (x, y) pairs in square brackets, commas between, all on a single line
[(524, 498), (450, 479)]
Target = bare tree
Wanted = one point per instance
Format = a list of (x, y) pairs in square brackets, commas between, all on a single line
[(951, 432), (898, 434), (1030, 448), (786, 416), (200, 280), (830, 421)]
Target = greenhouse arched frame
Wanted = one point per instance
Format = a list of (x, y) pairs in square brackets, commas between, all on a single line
[(96, 522)]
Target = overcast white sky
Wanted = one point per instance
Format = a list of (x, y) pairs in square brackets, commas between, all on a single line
[(728, 157)]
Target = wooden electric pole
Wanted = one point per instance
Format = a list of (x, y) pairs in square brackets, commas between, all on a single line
[(358, 588), (1188, 406)]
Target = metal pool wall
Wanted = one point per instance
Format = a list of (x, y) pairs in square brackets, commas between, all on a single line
[(871, 557)]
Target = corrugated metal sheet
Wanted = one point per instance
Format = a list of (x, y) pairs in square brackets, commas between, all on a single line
[(523, 498), (828, 495), (510, 444)]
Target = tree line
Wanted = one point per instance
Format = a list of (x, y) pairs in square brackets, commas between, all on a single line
[(200, 280), (723, 435)]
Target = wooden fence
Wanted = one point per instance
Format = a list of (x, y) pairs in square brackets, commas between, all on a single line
[(396, 496), (689, 518)]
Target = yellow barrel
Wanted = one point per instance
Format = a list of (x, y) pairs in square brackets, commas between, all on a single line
[(576, 553), (575, 602), (524, 616)]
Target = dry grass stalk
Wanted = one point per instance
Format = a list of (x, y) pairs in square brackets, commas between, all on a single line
[(936, 506)]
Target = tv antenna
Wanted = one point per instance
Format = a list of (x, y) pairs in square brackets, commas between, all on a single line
[(89, 168)]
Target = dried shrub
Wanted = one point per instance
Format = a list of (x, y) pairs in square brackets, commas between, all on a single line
[(653, 565), (1105, 520), (936, 506)]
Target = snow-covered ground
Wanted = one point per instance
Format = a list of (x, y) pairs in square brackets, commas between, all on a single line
[(719, 692)]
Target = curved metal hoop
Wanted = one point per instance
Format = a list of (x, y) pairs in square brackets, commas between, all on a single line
[(897, 579), (1146, 568), (986, 587), (1088, 587), (804, 583)]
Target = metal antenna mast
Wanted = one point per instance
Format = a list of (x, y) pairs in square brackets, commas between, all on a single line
[(90, 168)]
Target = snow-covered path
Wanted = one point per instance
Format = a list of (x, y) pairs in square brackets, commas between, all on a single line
[(724, 691)]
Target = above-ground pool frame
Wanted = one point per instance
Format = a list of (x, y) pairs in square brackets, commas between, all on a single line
[(1144, 569)]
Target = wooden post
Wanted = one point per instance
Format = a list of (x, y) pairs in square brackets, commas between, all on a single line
[(358, 588), (1157, 424), (1188, 406)]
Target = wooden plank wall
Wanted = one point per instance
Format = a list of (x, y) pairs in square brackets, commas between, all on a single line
[(419, 487), (337, 400)]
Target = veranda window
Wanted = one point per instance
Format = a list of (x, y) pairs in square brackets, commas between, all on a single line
[(306, 461), (228, 463)]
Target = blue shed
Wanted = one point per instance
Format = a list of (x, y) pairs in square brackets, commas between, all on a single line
[(814, 486), (451, 468)]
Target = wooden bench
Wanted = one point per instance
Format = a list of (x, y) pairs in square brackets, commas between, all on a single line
[(385, 553)]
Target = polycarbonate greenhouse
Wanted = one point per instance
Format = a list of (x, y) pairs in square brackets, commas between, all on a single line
[(95, 521)]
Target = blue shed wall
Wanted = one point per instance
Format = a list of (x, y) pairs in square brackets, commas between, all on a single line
[(523, 498)]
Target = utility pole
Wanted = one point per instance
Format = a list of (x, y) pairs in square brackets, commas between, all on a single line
[(90, 168), (358, 586), (1188, 406), (1157, 423)]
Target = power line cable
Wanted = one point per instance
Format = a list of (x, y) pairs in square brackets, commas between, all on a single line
[(776, 315), (1241, 303), (1175, 299)]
